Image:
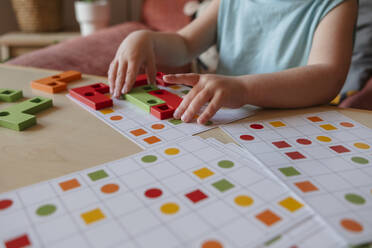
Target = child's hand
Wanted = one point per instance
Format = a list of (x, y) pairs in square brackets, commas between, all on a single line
[(218, 90), (135, 51)]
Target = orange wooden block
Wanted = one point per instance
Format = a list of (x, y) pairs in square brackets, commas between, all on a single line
[(55, 83)]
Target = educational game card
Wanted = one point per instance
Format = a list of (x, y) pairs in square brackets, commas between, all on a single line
[(189, 193), (326, 158), (148, 131)]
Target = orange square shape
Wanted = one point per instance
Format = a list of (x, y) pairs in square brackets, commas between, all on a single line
[(306, 186), (138, 132), (152, 140), (268, 217), (69, 184)]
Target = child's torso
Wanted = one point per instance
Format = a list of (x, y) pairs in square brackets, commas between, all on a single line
[(263, 36)]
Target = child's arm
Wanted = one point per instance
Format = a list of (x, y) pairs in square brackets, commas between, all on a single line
[(316, 83), (146, 48)]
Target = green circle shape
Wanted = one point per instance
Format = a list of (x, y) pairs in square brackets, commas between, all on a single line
[(359, 160), (45, 210), (355, 199), (226, 164), (149, 158)]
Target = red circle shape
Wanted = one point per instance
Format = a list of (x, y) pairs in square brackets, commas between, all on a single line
[(4, 204), (304, 141), (153, 193), (246, 137), (256, 126)]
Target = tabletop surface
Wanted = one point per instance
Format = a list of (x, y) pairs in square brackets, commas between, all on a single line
[(68, 139)]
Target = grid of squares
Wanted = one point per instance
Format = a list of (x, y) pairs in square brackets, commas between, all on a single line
[(134, 201), (148, 131), (324, 157)]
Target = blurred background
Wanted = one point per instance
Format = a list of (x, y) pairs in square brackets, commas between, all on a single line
[(121, 11)]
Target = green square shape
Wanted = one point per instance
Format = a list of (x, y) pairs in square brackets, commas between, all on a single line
[(175, 121), (97, 175), (143, 100), (289, 171), (9, 95), (223, 185)]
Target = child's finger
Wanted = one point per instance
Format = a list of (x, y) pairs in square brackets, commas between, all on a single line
[(122, 72), (185, 102), (213, 106), (188, 79), (112, 75), (151, 70), (130, 79), (196, 104)]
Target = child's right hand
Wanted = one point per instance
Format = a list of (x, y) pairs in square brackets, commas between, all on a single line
[(135, 51)]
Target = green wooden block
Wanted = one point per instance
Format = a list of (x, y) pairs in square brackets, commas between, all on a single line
[(144, 88), (143, 100), (9, 95), (21, 116)]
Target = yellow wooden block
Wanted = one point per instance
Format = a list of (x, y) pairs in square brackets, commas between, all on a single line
[(277, 124), (328, 127), (203, 173), (92, 216), (291, 204)]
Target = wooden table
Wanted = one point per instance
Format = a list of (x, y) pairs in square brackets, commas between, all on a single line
[(68, 138)]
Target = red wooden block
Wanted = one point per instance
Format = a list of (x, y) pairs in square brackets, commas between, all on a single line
[(159, 79), (92, 95), (171, 99), (140, 80), (18, 242), (162, 111)]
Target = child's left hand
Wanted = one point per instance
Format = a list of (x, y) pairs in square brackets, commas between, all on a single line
[(220, 91)]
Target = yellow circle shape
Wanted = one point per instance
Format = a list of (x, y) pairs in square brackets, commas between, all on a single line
[(243, 200), (169, 208), (172, 151), (324, 138), (361, 145)]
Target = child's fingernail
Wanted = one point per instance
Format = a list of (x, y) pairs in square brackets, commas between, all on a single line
[(185, 118)]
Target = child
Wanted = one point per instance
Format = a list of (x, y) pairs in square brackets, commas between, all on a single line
[(273, 53)]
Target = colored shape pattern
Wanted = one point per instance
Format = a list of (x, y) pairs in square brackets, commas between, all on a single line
[(268, 217), (97, 175), (92, 216)]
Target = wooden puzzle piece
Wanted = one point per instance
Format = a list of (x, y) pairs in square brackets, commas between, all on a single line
[(93, 95), (160, 103), (55, 83), (21, 116), (171, 99), (143, 100), (9, 95), (162, 111)]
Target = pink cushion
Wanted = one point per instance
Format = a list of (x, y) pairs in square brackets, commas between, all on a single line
[(361, 100), (165, 15), (91, 54)]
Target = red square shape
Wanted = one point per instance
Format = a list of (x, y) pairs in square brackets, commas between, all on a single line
[(196, 196), (18, 242), (281, 144), (295, 155), (339, 149)]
